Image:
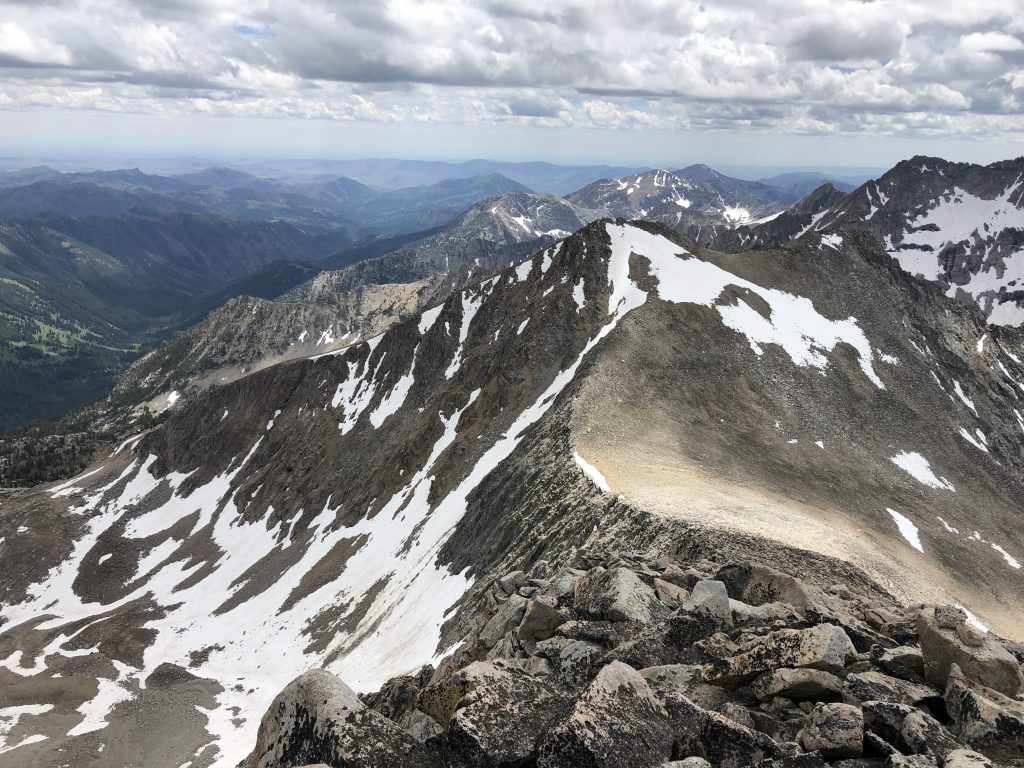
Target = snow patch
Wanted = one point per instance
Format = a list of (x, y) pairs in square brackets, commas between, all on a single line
[(794, 324), (917, 466), (973, 620), (907, 529), (832, 240), (963, 397), (593, 473)]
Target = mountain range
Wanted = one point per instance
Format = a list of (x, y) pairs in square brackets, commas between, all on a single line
[(808, 402)]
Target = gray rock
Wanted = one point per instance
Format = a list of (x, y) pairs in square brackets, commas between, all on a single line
[(758, 584), (875, 686), (798, 685), (539, 622), (617, 721), (504, 620), (710, 599), (835, 730), (440, 698), (500, 723), (910, 761), (943, 644), (903, 662), (825, 647), (924, 735), (965, 758), (670, 593), (689, 762), (986, 719), (317, 718), (617, 594)]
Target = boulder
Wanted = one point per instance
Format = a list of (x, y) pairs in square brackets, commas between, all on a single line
[(903, 662), (319, 719), (924, 735), (616, 721), (945, 641), (825, 647), (539, 622), (798, 685), (670, 681), (715, 737), (986, 719), (710, 599), (501, 722), (835, 730), (758, 584), (875, 686), (440, 698), (965, 758), (617, 594), (910, 761), (670, 593), (689, 762)]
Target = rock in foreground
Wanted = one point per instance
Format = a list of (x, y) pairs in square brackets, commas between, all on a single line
[(604, 667)]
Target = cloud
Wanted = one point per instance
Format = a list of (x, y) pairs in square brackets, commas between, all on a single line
[(19, 47), (799, 66)]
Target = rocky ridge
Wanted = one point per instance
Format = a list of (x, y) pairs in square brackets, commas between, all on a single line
[(959, 225), (337, 308), (623, 388), (624, 659)]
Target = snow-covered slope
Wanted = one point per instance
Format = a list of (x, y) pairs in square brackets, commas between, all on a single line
[(957, 224), (620, 387)]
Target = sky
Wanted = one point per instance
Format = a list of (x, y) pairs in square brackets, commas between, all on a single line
[(652, 82)]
